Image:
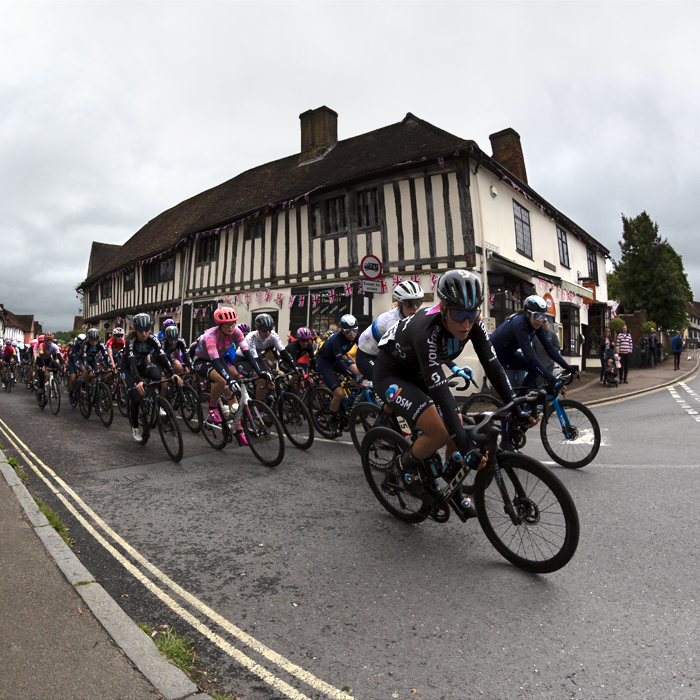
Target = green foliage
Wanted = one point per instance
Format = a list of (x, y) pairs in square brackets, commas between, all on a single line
[(55, 522), (617, 324), (64, 336), (650, 274), (613, 286), (648, 327)]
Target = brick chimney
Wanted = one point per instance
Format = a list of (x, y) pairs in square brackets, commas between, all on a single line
[(319, 131), (508, 152)]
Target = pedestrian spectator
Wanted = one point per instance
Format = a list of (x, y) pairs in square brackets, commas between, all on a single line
[(643, 351), (605, 352), (677, 347), (653, 342), (611, 376), (624, 344)]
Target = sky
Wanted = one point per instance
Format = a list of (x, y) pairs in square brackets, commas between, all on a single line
[(111, 113)]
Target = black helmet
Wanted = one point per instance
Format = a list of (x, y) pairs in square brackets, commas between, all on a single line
[(348, 323), (460, 289), (171, 333), (142, 322), (264, 322), (534, 304), (93, 334)]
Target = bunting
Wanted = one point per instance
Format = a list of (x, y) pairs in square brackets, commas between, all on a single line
[(384, 286), (279, 299), (268, 294), (314, 300), (360, 291), (302, 300), (247, 297), (433, 280), (396, 280), (347, 288), (292, 297), (331, 296), (415, 278)]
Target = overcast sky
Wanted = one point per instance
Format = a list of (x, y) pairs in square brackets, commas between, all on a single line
[(113, 112)]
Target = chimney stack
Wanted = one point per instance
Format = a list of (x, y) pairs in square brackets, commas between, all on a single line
[(509, 153), (319, 131)]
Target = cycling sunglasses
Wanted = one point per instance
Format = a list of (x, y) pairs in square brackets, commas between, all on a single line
[(264, 329), (462, 315), (539, 315), (413, 304), (350, 330)]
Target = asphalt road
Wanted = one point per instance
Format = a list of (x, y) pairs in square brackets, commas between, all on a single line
[(295, 582)]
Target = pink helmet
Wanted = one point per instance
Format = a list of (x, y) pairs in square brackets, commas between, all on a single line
[(170, 322), (225, 314), (304, 334)]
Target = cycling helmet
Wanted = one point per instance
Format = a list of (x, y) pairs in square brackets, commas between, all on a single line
[(70, 343), (142, 322), (8, 342), (460, 289), (534, 304), (408, 291), (225, 314), (48, 336), (82, 337), (244, 328), (93, 334), (118, 331), (304, 334), (171, 333), (40, 339), (264, 322), (168, 322), (348, 323)]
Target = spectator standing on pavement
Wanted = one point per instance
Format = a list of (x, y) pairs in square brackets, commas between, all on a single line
[(605, 351), (651, 362), (677, 347), (624, 344)]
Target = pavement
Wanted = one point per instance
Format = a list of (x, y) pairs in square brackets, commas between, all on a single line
[(63, 637)]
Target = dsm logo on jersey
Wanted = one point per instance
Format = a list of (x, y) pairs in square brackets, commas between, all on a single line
[(392, 392)]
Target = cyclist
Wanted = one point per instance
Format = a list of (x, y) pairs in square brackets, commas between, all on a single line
[(302, 350), (47, 356), (168, 322), (115, 348), (90, 351), (263, 338), (9, 358), (408, 374), (73, 365), (330, 359), (137, 367), (213, 362)]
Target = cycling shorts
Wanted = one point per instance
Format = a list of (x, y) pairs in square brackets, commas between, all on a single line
[(148, 372), (328, 371), (408, 399), (247, 369), (365, 363), (204, 367)]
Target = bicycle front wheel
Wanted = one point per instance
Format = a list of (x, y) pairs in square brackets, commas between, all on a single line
[(189, 408), (169, 430), (216, 434), (545, 533), (361, 421), (104, 407), (54, 396), (320, 408), (381, 451), (122, 399), (574, 445), (263, 432), (296, 421), (84, 401)]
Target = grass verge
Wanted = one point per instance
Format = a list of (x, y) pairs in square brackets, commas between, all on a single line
[(55, 522), (14, 463)]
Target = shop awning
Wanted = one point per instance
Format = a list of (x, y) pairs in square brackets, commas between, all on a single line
[(576, 288), (526, 270)]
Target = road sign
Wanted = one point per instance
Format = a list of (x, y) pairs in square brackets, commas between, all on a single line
[(371, 267), (372, 286)]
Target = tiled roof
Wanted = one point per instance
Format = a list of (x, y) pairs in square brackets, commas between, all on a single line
[(100, 253), (24, 322)]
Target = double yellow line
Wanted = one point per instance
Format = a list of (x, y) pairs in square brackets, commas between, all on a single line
[(41, 470)]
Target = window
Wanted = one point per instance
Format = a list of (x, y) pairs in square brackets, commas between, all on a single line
[(570, 329), (106, 289), (166, 269), (329, 217), (129, 280), (328, 312), (563, 247), (94, 299), (523, 240), (254, 230), (592, 264), (150, 274), (368, 208), (207, 249)]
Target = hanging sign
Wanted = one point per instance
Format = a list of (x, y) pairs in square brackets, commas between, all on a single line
[(372, 286), (371, 267)]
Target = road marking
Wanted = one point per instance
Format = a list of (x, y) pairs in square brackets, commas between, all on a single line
[(242, 636), (682, 402), (645, 393)]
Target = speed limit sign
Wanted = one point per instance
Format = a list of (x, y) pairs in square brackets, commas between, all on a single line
[(371, 267)]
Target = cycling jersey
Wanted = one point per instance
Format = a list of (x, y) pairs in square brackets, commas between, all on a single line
[(51, 352), (116, 344), (8, 353), (334, 349), (517, 334), (177, 351), (415, 349), (369, 340), (89, 353), (259, 345), (137, 353), (300, 354), (213, 346)]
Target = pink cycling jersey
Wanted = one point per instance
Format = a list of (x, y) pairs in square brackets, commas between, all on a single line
[(213, 344)]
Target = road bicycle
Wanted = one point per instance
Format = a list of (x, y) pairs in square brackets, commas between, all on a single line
[(292, 413), (51, 394), (118, 391), (8, 377), (524, 510), (184, 398), (95, 395), (155, 411), (573, 440), (261, 428)]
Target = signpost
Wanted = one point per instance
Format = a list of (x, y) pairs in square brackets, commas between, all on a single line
[(371, 267)]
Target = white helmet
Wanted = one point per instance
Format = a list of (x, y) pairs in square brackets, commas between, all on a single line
[(408, 291), (535, 303)]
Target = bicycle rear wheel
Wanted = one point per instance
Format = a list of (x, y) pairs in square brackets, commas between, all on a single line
[(476, 404), (216, 434), (361, 421), (263, 432), (320, 409), (169, 430), (573, 446), (296, 421), (54, 396), (381, 450), (103, 404), (122, 399), (189, 408), (547, 530), (85, 401)]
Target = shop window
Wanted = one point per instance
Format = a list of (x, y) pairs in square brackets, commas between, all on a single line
[(571, 329)]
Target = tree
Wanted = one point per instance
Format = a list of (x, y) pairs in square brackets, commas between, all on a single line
[(613, 286), (651, 275)]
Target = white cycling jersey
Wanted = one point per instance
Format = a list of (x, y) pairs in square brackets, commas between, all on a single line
[(370, 337), (258, 345)]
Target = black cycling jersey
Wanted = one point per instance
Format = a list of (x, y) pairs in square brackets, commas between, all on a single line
[(517, 334), (334, 349), (136, 353), (419, 345), (297, 352), (89, 352), (177, 347)]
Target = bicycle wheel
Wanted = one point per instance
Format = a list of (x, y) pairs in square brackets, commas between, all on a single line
[(169, 430), (263, 432), (216, 434), (85, 401), (54, 396), (122, 399), (103, 404), (320, 409), (381, 450), (296, 421), (573, 446), (10, 383), (361, 421), (476, 404), (189, 409), (547, 530)]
